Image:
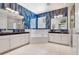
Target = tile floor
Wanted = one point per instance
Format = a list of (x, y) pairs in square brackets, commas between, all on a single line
[(42, 49)]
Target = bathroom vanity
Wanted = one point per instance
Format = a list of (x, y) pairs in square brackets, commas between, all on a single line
[(11, 41), (63, 38)]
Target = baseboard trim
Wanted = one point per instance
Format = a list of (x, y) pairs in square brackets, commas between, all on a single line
[(14, 48), (59, 43)]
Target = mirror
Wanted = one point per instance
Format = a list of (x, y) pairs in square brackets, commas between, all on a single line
[(60, 20), (10, 21), (59, 23)]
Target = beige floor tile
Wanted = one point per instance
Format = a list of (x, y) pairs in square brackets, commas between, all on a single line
[(42, 49)]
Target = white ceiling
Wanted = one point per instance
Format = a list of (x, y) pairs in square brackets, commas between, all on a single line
[(44, 7)]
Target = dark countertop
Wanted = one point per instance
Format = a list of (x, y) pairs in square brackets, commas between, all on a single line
[(76, 33), (59, 32), (12, 33)]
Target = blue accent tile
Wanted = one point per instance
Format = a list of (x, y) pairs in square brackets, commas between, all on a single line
[(28, 15)]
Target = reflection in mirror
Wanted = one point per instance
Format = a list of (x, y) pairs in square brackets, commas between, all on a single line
[(10, 21), (59, 23), (60, 20)]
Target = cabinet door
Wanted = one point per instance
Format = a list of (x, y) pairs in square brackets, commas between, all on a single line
[(15, 41), (55, 38), (66, 39), (4, 43), (22, 38), (18, 40), (58, 38), (27, 38), (51, 37)]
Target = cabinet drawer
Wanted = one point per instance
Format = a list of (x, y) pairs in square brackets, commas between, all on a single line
[(4, 43), (15, 41)]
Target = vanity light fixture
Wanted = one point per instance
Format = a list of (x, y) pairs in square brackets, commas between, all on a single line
[(13, 11), (8, 9), (48, 4)]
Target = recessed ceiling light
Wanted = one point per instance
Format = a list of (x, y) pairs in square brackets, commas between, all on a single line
[(48, 4)]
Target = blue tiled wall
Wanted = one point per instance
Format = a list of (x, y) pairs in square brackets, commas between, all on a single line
[(50, 15), (28, 15), (48, 18)]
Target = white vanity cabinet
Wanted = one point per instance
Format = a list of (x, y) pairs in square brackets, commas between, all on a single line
[(24, 38), (14, 41), (27, 38), (53, 37), (18, 40), (60, 38), (10, 41), (66, 39), (4, 43)]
